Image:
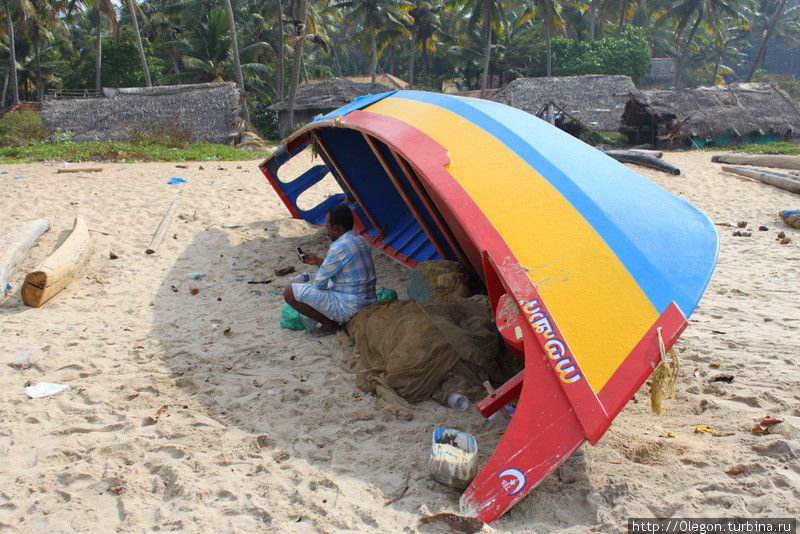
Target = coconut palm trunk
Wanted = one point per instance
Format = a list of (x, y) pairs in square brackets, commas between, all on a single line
[(142, 57), (37, 62), (237, 64), (487, 55), (12, 56), (686, 47), (373, 52), (279, 28), (98, 53), (296, 64), (767, 35), (548, 38), (411, 57)]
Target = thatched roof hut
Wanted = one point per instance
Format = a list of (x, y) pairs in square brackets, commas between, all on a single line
[(208, 111), (595, 100), (733, 112), (323, 96), (389, 80)]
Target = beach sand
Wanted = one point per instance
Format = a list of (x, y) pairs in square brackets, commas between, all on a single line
[(263, 429)]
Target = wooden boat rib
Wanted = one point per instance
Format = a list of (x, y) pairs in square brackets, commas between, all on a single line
[(595, 259)]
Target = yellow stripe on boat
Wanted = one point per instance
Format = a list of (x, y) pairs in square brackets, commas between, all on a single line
[(597, 304)]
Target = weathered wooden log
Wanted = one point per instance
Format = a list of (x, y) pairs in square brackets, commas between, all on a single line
[(775, 162), (778, 179), (158, 236), (60, 268), (645, 160), (654, 153), (91, 169), (14, 246)]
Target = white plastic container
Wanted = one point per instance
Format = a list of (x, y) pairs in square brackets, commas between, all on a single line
[(454, 457)]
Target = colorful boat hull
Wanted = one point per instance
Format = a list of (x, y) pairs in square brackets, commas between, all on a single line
[(586, 263)]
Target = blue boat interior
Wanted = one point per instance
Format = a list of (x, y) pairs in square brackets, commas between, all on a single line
[(383, 190)]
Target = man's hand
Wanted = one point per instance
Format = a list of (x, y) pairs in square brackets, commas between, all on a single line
[(311, 259)]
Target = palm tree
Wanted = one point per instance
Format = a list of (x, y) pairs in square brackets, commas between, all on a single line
[(25, 9), (765, 39), (701, 11), (374, 14), (424, 28), (145, 68), (236, 59), (550, 13), (487, 12)]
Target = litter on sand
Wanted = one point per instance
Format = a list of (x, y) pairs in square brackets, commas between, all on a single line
[(176, 180), (44, 389)]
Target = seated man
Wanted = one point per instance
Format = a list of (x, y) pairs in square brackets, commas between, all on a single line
[(345, 282)]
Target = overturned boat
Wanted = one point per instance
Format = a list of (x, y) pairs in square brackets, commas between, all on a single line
[(588, 265)]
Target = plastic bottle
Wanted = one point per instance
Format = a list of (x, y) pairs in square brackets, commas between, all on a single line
[(301, 277), (457, 401)]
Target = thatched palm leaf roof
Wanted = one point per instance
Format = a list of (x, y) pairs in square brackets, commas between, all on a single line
[(210, 111), (329, 94), (744, 108), (595, 100)]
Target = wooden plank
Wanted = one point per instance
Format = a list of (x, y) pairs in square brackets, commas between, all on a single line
[(353, 192), (778, 179), (404, 194), (59, 269), (643, 159), (765, 160), (89, 169), (432, 209), (161, 230), (14, 246)]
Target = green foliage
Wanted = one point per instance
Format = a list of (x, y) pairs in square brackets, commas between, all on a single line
[(627, 55), (783, 147), (21, 127), (122, 151), (266, 120), (614, 137), (121, 64)]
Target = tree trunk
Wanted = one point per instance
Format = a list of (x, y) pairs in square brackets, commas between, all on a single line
[(175, 68), (98, 52), (487, 55), (5, 91), (623, 18), (592, 19), (373, 52), (12, 56), (685, 53), (37, 59), (296, 61), (281, 68), (549, 47), (142, 57), (424, 59), (236, 61), (767, 35), (411, 58)]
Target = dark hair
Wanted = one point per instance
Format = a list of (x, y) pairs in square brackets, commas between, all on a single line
[(341, 215)]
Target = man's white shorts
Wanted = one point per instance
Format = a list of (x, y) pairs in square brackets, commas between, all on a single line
[(332, 304)]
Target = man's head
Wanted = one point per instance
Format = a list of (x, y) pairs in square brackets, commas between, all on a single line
[(338, 221)]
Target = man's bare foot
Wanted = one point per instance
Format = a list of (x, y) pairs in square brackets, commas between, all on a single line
[(324, 331)]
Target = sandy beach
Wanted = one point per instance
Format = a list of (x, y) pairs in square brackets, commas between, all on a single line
[(263, 429)]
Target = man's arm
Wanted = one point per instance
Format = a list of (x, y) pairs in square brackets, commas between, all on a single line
[(333, 264)]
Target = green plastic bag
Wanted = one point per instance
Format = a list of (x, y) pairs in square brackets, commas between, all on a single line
[(386, 294), (290, 319)]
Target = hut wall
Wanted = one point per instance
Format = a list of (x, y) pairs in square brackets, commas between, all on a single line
[(210, 111)]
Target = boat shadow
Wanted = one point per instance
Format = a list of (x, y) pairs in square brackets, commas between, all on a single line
[(291, 397)]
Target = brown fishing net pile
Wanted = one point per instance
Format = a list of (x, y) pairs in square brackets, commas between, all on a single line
[(428, 349)]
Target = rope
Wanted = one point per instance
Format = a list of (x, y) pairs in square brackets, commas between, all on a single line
[(664, 377)]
